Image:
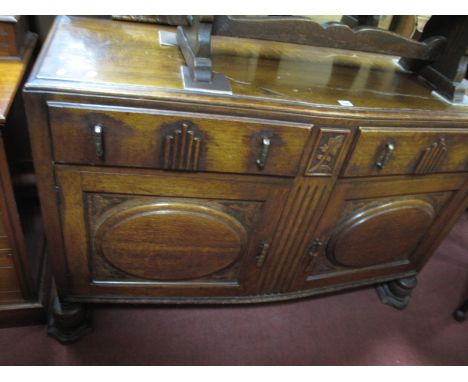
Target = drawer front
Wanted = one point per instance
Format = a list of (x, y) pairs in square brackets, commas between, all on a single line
[(395, 151), (7, 40), (8, 279), (90, 134), (6, 258), (10, 297)]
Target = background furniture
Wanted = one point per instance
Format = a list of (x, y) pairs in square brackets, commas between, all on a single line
[(24, 279), (438, 53), (301, 182)]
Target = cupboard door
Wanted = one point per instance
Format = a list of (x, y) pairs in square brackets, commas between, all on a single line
[(149, 233), (372, 229)]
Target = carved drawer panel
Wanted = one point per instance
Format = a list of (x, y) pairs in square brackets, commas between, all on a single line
[(12, 35), (11, 297), (7, 40), (118, 136), (394, 151)]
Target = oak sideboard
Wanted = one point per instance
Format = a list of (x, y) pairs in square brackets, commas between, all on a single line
[(323, 170)]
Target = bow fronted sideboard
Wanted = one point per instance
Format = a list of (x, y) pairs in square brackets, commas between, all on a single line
[(324, 170)]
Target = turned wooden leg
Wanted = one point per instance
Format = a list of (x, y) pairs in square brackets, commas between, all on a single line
[(68, 322), (397, 293), (461, 313)]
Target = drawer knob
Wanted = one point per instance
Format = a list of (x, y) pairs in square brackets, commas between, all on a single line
[(266, 143), (385, 155), (99, 141)]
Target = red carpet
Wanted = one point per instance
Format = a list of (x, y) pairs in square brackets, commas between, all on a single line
[(350, 328)]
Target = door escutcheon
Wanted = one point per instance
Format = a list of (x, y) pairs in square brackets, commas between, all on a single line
[(266, 143), (262, 253)]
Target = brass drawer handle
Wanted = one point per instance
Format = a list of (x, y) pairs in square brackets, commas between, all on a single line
[(266, 143), (99, 141), (386, 155), (262, 253)]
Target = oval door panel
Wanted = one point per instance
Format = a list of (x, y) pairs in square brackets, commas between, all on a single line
[(170, 241), (381, 234)]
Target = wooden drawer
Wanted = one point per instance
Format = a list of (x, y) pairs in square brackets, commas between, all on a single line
[(4, 242), (175, 141), (10, 297), (393, 151), (13, 31), (6, 39), (8, 279), (6, 258)]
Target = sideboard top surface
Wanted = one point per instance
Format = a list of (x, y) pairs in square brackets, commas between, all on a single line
[(105, 57)]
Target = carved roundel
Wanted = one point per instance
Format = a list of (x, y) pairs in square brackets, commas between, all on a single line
[(170, 241), (381, 234)]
